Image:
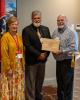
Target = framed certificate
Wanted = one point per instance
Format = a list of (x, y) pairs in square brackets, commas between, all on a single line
[(50, 44)]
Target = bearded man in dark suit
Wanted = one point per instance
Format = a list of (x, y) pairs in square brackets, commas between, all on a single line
[(35, 58)]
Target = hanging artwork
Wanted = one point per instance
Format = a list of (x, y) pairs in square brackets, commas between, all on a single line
[(7, 9)]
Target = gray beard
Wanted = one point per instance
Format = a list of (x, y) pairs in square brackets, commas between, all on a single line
[(36, 24), (62, 26)]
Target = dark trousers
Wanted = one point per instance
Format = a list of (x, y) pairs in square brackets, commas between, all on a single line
[(64, 75), (34, 77)]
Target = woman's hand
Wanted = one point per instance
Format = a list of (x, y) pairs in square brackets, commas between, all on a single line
[(10, 72)]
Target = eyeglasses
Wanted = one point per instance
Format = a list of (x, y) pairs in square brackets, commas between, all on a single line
[(60, 20)]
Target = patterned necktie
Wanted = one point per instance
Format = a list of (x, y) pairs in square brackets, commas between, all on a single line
[(38, 33)]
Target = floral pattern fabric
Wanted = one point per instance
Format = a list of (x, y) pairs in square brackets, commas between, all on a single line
[(12, 86)]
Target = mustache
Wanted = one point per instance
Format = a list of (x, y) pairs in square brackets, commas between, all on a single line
[(37, 22)]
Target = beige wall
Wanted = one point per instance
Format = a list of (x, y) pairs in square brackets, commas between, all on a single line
[(50, 10)]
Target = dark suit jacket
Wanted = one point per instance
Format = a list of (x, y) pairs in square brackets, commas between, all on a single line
[(32, 43)]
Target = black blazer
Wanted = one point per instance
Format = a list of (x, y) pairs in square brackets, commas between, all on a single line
[(32, 43)]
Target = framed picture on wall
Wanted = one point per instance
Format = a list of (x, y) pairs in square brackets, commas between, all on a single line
[(8, 8)]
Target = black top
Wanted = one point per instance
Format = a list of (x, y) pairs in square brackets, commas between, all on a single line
[(32, 43)]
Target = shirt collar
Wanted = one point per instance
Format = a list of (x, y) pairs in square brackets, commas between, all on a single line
[(61, 30)]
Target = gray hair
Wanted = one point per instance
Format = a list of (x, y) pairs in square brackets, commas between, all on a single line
[(36, 12), (63, 16)]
